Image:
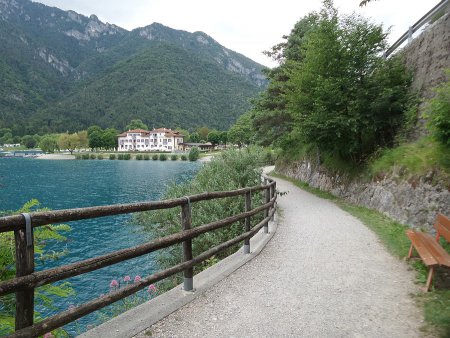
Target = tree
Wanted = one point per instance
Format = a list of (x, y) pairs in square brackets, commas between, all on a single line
[(194, 137), (364, 2), (29, 141), (241, 133), (109, 138), (6, 136), (92, 129), (136, 124), (83, 139), (224, 138), (48, 143), (96, 139), (203, 132), (214, 137), (343, 97), (69, 142), (272, 121)]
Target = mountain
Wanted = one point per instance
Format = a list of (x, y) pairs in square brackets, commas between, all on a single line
[(64, 71)]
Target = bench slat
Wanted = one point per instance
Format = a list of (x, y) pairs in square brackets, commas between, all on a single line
[(423, 252), (438, 252), (442, 226)]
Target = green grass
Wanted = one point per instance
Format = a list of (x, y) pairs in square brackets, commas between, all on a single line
[(436, 303), (414, 160)]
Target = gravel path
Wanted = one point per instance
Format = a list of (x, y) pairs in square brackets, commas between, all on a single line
[(324, 274)]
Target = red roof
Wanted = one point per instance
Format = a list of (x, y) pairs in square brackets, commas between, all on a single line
[(142, 131), (169, 132)]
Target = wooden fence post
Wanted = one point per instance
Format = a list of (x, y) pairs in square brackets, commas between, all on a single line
[(266, 211), (24, 266), (248, 207), (188, 284), (273, 192)]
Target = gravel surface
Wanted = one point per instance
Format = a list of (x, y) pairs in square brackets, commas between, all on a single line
[(324, 274)]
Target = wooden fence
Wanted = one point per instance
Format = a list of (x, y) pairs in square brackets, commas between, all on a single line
[(27, 279)]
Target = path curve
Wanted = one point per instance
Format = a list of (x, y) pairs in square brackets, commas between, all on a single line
[(324, 274)]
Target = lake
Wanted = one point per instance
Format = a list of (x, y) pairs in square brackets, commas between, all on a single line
[(63, 184)]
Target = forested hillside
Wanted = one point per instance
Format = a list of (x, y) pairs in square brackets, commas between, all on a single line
[(50, 59)]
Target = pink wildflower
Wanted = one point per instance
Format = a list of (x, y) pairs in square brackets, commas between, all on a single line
[(48, 335), (126, 278), (114, 284), (137, 278), (151, 288)]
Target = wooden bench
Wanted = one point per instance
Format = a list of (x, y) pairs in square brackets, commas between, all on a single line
[(428, 247)]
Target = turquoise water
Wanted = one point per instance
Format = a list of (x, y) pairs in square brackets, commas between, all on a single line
[(62, 184)]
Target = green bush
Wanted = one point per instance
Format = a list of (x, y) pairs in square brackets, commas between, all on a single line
[(174, 157), (127, 156), (155, 157), (112, 156), (139, 157), (194, 154), (230, 170), (120, 156), (162, 157), (78, 157), (438, 113), (183, 157), (45, 296), (85, 156), (99, 157), (93, 156)]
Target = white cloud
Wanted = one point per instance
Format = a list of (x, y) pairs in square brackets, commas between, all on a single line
[(248, 27)]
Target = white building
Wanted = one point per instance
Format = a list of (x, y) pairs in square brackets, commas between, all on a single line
[(161, 139)]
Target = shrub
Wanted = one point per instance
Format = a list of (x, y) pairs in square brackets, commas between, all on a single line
[(184, 157), (78, 157), (194, 154), (155, 157), (127, 156), (112, 156), (146, 157), (174, 157), (162, 157), (139, 157), (99, 157), (230, 170), (93, 156), (438, 112), (85, 156)]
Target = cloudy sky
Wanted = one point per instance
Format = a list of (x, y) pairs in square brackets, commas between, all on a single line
[(246, 26)]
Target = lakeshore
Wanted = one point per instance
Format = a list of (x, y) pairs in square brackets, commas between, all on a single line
[(56, 157)]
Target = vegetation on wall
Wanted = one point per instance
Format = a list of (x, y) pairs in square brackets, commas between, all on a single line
[(438, 113)]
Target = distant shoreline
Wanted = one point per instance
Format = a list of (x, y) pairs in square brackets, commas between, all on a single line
[(56, 157)]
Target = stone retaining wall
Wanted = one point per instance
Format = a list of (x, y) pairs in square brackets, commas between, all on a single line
[(414, 203)]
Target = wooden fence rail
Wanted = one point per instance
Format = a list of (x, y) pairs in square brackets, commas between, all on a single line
[(27, 280)]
